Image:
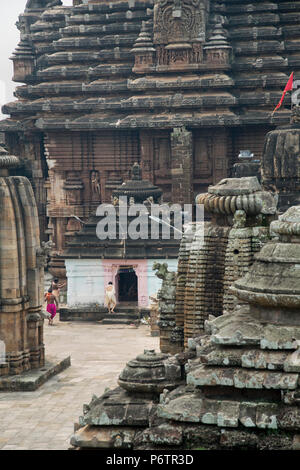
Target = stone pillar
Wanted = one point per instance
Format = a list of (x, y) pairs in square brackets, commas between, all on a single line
[(182, 166), (223, 250), (154, 315), (166, 298)]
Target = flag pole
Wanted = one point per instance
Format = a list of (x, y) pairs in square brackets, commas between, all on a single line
[(288, 87)]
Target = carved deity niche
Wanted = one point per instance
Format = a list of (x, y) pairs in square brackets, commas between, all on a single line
[(95, 186), (180, 31), (180, 21), (73, 187)]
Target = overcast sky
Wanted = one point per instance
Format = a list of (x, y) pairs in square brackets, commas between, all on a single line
[(9, 38)]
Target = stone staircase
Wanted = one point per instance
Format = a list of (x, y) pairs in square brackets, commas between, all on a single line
[(123, 315)]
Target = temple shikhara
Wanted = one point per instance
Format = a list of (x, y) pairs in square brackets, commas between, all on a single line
[(178, 86), (161, 102)]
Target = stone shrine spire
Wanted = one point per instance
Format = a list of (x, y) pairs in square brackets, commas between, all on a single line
[(137, 188)]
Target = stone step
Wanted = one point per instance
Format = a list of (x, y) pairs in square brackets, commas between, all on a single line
[(118, 321), (127, 309), (122, 316)]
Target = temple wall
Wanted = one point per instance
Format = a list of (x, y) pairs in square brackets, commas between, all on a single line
[(83, 168)]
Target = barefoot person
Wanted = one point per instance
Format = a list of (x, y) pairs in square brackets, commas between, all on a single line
[(51, 305), (110, 297)]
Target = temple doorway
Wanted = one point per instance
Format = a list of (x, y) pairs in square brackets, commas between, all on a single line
[(127, 284)]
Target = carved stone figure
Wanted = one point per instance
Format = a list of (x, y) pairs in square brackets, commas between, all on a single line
[(162, 271), (95, 185), (136, 173), (43, 253), (239, 219)]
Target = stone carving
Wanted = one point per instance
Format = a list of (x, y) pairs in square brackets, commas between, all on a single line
[(136, 173), (43, 253), (239, 219), (137, 188), (95, 185), (156, 373), (162, 271), (280, 163), (166, 297), (295, 117), (245, 379)]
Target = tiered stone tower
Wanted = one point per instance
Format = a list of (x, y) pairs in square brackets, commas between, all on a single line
[(246, 377), (241, 391), (214, 254), (22, 263)]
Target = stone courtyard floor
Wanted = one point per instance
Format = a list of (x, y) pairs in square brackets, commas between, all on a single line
[(44, 419)]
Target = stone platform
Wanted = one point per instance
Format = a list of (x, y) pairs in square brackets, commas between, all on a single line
[(33, 379), (124, 314), (82, 313)]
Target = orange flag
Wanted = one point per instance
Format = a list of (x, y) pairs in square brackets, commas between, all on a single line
[(288, 87)]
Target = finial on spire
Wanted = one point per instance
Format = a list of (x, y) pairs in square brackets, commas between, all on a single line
[(35, 4), (136, 172), (7, 162)]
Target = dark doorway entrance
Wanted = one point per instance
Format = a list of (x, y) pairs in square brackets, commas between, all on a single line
[(127, 285)]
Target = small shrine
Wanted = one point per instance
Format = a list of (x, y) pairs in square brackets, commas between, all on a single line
[(123, 259)]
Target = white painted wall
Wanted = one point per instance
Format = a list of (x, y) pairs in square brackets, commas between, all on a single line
[(85, 281)]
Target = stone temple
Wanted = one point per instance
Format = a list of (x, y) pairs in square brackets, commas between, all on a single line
[(181, 87), (236, 383)]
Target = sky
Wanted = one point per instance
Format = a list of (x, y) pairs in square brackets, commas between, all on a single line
[(9, 38)]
